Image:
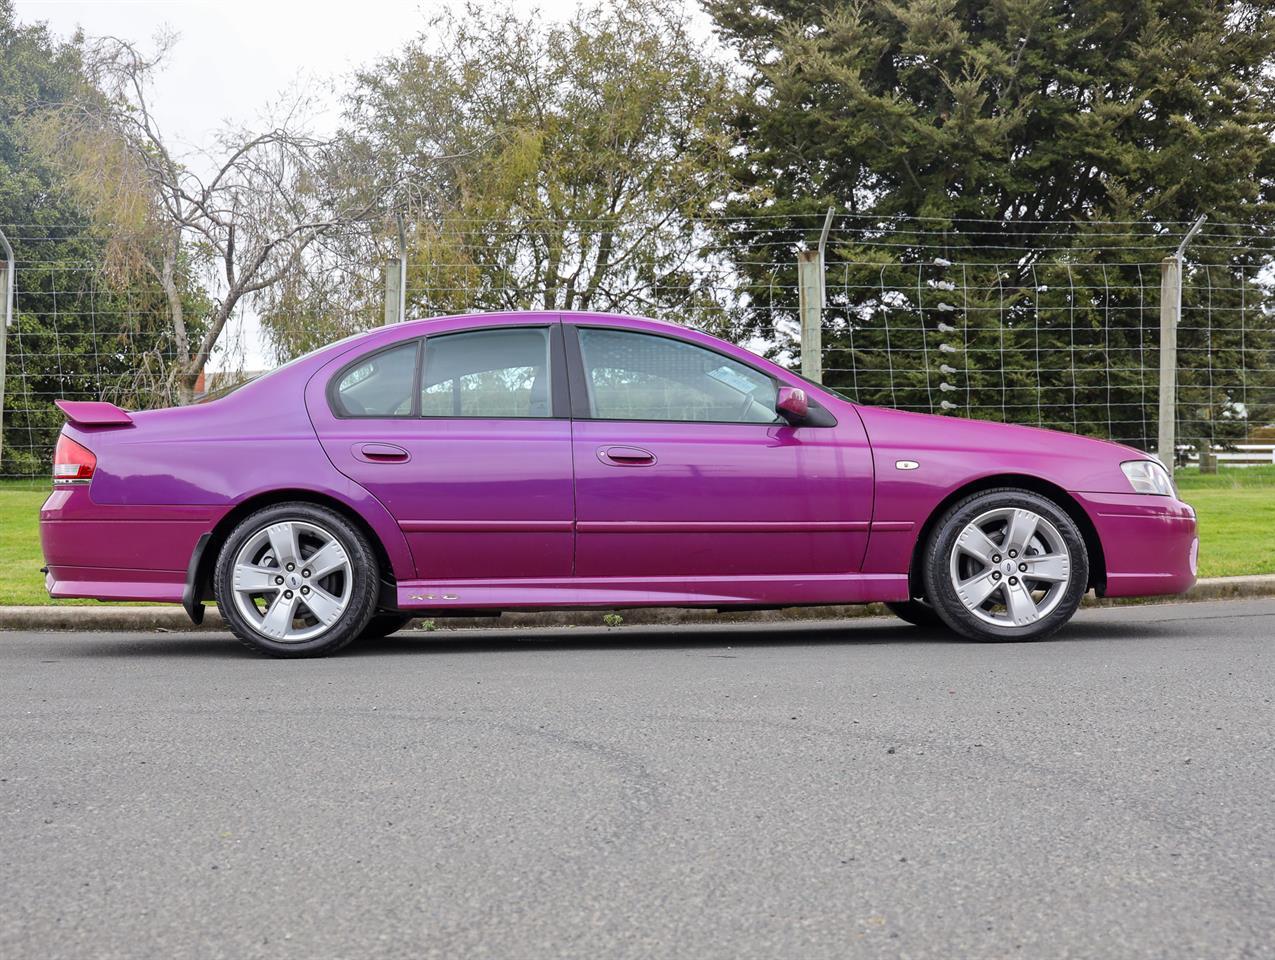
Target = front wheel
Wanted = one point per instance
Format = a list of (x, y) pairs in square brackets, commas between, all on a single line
[(1006, 564), (296, 580)]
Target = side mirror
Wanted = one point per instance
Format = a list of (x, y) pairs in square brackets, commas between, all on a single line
[(792, 405)]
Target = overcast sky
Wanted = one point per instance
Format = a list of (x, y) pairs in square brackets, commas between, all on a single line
[(235, 58)]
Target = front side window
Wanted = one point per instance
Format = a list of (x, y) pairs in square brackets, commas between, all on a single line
[(488, 373), (640, 376), (380, 385)]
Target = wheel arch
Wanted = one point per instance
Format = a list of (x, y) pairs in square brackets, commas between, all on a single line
[(1053, 492), (199, 586)]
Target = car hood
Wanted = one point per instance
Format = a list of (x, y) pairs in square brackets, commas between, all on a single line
[(984, 448)]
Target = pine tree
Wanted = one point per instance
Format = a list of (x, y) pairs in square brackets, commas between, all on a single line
[(1005, 132)]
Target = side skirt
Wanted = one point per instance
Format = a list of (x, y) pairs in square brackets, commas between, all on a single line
[(652, 592)]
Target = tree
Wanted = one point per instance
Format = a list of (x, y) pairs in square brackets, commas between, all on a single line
[(584, 155), (76, 334), (1004, 132), (241, 229)]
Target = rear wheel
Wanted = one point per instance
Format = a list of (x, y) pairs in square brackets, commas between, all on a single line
[(296, 580), (1006, 564)]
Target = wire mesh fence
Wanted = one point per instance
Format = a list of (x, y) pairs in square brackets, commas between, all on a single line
[(1065, 337), (1071, 346), (76, 336)]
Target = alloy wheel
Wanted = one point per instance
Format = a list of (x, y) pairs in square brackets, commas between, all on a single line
[(292, 580), (1010, 567)]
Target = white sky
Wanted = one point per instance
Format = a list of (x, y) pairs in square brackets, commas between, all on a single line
[(235, 58)]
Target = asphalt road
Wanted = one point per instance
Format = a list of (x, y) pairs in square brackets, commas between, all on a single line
[(858, 789)]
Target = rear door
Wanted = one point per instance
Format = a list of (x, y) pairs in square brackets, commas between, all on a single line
[(464, 436)]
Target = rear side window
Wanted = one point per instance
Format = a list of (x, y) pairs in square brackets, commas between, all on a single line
[(488, 373), (380, 385)]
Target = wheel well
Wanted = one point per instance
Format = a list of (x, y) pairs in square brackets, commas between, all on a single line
[(1097, 561), (208, 560)]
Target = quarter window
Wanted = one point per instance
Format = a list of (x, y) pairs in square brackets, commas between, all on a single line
[(488, 373), (638, 376), (380, 386)]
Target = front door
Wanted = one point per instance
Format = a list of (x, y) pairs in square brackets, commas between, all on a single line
[(464, 437), (684, 470)]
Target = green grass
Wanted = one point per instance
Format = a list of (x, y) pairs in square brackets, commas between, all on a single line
[(20, 561), (1236, 509)]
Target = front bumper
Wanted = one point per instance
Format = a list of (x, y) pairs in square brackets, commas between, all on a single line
[(1149, 543)]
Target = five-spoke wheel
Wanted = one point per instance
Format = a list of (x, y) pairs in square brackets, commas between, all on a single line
[(296, 580), (1010, 567), (1006, 564), (292, 580)]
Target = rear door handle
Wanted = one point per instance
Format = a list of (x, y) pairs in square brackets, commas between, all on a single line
[(381, 453), (621, 456)]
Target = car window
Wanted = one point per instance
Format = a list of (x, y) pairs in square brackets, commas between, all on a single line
[(488, 373), (380, 385), (638, 376)]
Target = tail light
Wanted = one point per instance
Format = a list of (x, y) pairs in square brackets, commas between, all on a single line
[(72, 462)]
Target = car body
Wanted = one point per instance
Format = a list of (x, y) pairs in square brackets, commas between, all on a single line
[(619, 468)]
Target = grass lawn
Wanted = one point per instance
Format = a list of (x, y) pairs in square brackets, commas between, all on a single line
[(1236, 509), (20, 578)]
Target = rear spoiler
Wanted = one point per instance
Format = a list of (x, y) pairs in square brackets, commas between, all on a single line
[(93, 413)]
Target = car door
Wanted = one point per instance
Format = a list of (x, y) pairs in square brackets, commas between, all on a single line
[(683, 468), (464, 436)]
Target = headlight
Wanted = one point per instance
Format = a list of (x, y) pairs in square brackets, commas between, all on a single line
[(1148, 476)]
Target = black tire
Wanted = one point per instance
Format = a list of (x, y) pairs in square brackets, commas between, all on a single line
[(1053, 608), (916, 612), (384, 624), (360, 600)]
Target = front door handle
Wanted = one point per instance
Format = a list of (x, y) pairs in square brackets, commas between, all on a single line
[(381, 453), (621, 456)]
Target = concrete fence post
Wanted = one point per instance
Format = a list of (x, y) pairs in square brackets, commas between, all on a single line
[(393, 289), (396, 278), (1170, 315), (811, 299), (1170, 307), (7, 271), (809, 288)]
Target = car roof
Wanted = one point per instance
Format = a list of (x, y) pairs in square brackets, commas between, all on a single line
[(423, 326), (568, 315)]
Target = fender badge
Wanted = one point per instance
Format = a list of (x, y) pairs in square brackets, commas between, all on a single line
[(905, 464)]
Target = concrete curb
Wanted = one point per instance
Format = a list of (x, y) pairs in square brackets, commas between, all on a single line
[(105, 617)]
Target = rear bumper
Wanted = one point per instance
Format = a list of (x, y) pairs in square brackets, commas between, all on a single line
[(1149, 543), (109, 552), (111, 583)]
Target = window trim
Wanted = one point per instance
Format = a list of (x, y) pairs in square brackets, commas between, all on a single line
[(580, 391), (559, 398), (559, 389), (337, 409)]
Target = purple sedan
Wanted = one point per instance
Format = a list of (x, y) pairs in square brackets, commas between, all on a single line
[(563, 461)]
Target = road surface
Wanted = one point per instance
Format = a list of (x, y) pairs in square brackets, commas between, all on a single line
[(806, 790)]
